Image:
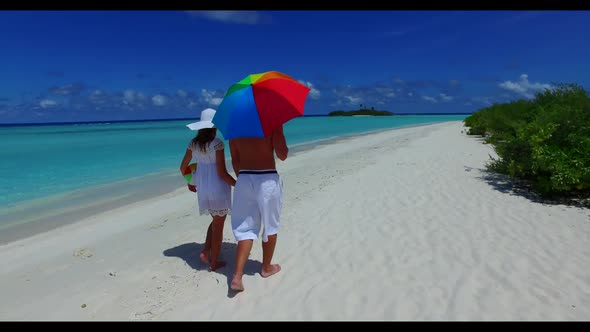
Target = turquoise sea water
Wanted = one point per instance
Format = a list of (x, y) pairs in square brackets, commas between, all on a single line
[(41, 161)]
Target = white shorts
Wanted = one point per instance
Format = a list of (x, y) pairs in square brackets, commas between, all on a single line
[(258, 199)]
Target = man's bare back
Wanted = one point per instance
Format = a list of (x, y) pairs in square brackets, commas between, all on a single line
[(258, 153)]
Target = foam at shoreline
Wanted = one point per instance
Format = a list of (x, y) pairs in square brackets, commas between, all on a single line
[(41, 215)]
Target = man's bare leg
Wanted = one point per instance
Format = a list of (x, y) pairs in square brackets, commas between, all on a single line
[(268, 249), (244, 248), (216, 238), (205, 253)]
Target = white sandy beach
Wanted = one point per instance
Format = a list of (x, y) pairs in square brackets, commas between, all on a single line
[(397, 225)]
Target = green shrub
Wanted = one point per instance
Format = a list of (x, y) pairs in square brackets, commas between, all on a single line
[(545, 141)]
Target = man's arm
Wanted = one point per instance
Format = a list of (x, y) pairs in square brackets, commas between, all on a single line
[(279, 143), (235, 157)]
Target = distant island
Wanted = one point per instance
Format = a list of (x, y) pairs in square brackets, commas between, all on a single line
[(361, 111)]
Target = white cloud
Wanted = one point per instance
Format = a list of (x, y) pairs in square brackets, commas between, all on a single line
[(128, 96), (68, 89), (410, 94), (181, 93), (482, 100), (523, 87), (430, 99), (313, 92), (353, 100), (210, 98), (98, 97), (159, 100), (446, 98), (47, 103), (468, 104), (386, 92), (230, 16)]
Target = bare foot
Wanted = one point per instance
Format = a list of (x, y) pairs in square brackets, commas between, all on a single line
[(274, 268), (236, 284), (217, 265), (204, 258)]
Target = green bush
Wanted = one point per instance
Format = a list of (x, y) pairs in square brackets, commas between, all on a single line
[(545, 141)]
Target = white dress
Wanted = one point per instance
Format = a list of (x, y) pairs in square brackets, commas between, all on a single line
[(214, 194)]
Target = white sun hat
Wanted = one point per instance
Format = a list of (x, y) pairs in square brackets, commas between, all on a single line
[(205, 121)]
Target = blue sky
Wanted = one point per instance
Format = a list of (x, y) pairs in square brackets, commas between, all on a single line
[(118, 65)]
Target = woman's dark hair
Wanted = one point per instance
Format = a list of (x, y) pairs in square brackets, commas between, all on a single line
[(204, 136)]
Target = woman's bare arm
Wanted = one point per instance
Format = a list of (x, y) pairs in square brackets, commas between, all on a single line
[(188, 155), (221, 169), (235, 157)]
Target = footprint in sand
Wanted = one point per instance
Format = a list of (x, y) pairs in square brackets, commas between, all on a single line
[(84, 253), (144, 315)]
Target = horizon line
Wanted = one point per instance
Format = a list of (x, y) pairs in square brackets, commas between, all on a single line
[(57, 123)]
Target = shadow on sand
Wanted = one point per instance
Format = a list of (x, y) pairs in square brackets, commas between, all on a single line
[(189, 252), (504, 184)]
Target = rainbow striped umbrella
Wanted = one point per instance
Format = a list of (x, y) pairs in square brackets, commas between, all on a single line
[(259, 104)]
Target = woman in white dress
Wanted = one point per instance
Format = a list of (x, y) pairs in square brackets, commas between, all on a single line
[(213, 183)]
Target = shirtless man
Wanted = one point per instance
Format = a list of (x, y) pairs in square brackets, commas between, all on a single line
[(258, 197)]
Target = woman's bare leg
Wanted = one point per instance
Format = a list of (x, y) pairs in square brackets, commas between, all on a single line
[(216, 238), (206, 250)]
